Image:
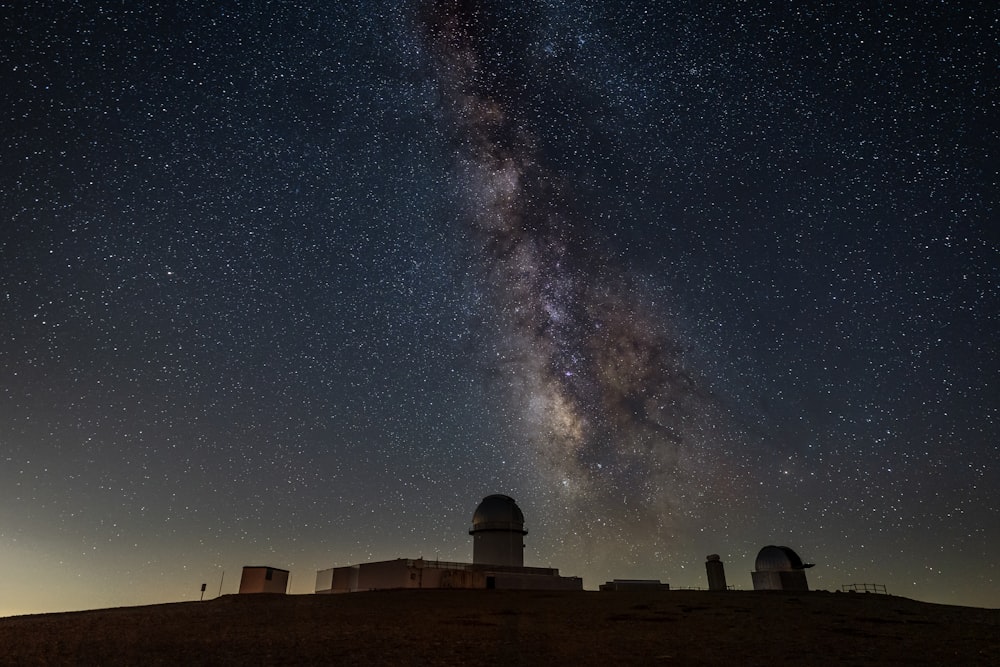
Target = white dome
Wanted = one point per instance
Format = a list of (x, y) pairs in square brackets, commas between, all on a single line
[(778, 559), (498, 512)]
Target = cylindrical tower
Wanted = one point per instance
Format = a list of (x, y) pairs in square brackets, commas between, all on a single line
[(498, 532), (716, 573)]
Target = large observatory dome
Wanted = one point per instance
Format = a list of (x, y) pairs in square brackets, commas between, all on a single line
[(778, 559), (498, 512), (498, 532)]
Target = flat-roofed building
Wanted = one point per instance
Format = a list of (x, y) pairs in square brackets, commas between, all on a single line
[(263, 579), (498, 561)]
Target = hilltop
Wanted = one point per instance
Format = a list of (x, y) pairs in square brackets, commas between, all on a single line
[(456, 627)]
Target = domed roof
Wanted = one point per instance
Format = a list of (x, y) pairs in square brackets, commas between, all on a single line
[(498, 512), (778, 559)]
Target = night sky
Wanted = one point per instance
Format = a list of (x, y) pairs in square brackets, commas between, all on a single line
[(299, 285)]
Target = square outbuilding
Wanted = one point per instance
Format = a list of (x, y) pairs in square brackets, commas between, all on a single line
[(263, 579)]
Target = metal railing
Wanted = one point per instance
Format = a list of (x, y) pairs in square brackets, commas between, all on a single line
[(864, 588)]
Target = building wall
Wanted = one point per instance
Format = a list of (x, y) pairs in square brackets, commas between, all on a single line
[(324, 581), (634, 585), (498, 547), (435, 577), (766, 581), (263, 580), (418, 573), (716, 575), (383, 575), (533, 582), (783, 580), (794, 581), (401, 573), (346, 578)]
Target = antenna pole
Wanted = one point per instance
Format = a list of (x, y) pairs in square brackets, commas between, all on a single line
[(223, 578)]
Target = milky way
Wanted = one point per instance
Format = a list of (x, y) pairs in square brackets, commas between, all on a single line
[(598, 382), (298, 284)]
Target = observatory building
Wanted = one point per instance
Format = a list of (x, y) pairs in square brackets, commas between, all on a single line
[(498, 532), (497, 561), (779, 569)]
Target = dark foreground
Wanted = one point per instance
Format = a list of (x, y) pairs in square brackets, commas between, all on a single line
[(513, 628)]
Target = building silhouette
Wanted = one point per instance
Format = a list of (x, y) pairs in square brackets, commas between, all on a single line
[(779, 569), (498, 532), (716, 573), (498, 561), (263, 579)]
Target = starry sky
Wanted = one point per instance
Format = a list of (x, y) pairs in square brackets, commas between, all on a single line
[(298, 284)]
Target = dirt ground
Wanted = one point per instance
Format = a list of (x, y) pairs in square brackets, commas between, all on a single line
[(513, 628)]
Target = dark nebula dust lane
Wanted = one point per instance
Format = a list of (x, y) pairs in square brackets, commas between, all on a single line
[(598, 382)]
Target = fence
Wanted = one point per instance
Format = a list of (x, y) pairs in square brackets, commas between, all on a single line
[(864, 588)]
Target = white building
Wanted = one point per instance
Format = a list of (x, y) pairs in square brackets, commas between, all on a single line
[(263, 579), (779, 569), (498, 561)]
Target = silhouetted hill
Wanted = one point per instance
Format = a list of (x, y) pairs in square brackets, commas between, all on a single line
[(513, 628)]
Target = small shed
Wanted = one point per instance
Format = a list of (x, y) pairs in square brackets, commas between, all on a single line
[(263, 579)]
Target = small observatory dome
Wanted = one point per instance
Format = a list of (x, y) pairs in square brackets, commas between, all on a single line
[(779, 559), (498, 512)]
